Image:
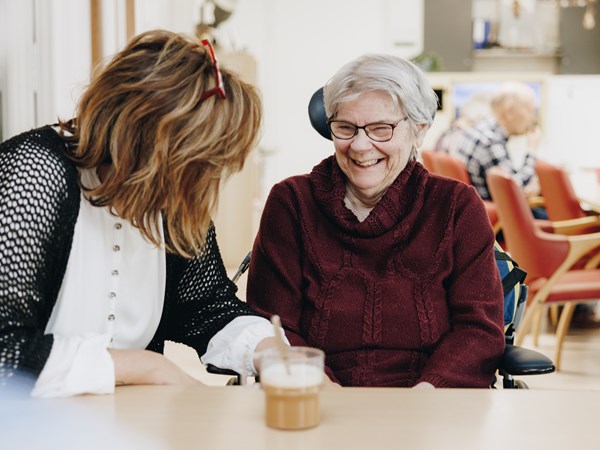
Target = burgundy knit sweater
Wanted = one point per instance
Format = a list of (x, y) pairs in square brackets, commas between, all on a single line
[(410, 294)]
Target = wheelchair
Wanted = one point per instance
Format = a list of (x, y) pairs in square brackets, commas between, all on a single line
[(516, 361)]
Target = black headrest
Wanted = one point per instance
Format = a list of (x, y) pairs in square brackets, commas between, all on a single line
[(317, 115)]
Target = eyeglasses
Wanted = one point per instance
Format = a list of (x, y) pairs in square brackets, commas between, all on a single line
[(219, 88), (378, 132)]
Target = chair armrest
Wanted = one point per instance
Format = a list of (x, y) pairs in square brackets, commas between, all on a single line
[(589, 209), (574, 226), (536, 201), (581, 245), (523, 361), (544, 225), (218, 371)]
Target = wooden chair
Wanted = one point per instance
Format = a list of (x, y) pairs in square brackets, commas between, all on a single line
[(548, 258), (562, 204), (561, 201), (451, 167), (428, 159)]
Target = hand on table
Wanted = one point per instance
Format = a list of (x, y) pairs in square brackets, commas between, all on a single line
[(146, 367)]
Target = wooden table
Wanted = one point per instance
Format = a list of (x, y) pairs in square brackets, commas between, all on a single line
[(352, 418)]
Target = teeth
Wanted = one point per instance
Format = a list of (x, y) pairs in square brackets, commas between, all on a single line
[(368, 163)]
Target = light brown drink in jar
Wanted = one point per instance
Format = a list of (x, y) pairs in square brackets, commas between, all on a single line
[(291, 381), (292, 408)]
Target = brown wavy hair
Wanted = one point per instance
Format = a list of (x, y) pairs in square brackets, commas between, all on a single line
[(166, 150)]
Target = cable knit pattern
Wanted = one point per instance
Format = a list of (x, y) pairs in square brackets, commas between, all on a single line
[(39, 204), (410, 294)]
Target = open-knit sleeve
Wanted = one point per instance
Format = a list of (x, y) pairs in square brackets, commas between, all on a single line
[(39, 201), (200, 299)]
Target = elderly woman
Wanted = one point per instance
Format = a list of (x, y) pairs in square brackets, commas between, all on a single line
[(386, 267), (106, 243)]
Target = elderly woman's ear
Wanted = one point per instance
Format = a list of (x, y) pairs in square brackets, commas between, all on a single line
[(422, 130)]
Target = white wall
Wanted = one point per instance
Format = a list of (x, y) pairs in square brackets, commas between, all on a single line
[(44, 61), (572, 127), (299, 46), (17, 67), (69, 48)]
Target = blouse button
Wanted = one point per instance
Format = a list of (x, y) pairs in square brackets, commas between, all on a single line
[(115, 273), (118, 226), (111, 317), (111, 295), (116, 248)]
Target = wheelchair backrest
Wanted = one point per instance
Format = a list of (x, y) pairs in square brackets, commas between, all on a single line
[(515, 291)]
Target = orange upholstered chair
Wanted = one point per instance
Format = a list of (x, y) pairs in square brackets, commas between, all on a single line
[(561, 201), (548, 258), (428, 156), (451, 167), (562, 204)]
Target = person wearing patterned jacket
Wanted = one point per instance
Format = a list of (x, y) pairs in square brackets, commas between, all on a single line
[(484, 145)]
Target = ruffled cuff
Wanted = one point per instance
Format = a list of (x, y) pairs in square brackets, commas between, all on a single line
[(233, 346), (77, 365)]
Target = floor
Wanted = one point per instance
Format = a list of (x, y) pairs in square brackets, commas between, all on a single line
[(580, 365)]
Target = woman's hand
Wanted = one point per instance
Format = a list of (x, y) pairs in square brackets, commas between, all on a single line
[(270, 342), (146, 367)]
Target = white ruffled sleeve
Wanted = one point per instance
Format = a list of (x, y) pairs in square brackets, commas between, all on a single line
[(233, 346), (77, 365)]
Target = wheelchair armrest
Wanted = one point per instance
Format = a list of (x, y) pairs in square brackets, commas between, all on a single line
[(218, 371), (523, 361)]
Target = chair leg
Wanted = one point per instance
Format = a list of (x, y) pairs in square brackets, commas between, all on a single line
[(554, 315), (537, 320), (561, 330), (526, 322)]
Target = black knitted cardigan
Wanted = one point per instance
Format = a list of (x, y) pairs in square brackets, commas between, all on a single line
[(39, 205)]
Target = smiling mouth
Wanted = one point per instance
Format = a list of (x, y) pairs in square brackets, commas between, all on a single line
[(369, 163)]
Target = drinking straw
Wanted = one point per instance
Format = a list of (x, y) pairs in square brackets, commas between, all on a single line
[(281, 346)]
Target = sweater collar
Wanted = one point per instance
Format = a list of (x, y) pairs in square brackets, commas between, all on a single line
[(397, 208)]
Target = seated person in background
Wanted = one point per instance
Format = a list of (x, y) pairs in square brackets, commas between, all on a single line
[(387, 268), (485, 144), (106, 242), (476, 108)]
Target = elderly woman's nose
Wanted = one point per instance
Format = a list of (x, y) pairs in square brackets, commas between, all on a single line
[(361, 141)]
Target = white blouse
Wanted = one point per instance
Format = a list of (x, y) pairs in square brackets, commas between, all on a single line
[(112, 296)]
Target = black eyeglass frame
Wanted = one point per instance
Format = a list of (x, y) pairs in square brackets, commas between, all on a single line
[(364, 128)]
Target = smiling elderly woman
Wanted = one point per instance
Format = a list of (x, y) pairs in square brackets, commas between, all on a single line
[(387, 268)]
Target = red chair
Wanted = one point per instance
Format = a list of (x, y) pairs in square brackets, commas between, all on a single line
[(562, 204), (428, 156), (451, 167), (548, 258), (561, 201)]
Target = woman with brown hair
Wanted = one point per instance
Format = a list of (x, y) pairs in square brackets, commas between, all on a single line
[(107, 247)]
